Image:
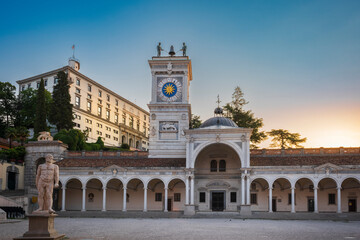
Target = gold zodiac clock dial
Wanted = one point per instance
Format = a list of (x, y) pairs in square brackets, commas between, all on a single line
[(169, 89)]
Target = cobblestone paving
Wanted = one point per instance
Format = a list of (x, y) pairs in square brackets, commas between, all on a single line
[(202, 229)]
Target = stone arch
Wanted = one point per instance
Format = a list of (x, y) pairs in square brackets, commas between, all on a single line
[(204, 145), (156, 178), (111, 178), (176, 194), (304, 194), (91, 178), (137, 145), (12, 178), (328, 177), (304, 177), (134, 178), (114, 194), (135, 194), (123, 139), (94, 194), (281, 177), (65, 181), (73, 193), (348, 178), (260, 177)]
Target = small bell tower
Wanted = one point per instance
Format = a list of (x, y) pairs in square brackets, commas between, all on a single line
[(170, 109)]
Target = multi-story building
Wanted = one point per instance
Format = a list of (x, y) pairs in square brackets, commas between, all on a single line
[(98, 109)]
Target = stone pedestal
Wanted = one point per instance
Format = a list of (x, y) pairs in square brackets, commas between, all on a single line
[(41, 226), (189, 210), (245, 210)]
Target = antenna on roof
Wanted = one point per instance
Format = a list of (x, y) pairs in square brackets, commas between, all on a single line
[(73, 48)]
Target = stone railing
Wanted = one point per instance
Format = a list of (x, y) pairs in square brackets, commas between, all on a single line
[(105, 154), (305, 151)]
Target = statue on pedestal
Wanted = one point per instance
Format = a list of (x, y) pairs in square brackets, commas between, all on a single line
[(47, 175), (159, 49), (183, 49)]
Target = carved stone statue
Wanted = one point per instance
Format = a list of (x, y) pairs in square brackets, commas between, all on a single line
[(183, 49), (47, 175), (159, 49), (45, 136)]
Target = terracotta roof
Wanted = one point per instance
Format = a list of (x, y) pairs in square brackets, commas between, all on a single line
[(122, 162), (304, 160)]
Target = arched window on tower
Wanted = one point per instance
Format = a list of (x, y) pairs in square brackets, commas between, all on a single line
[(222, 166), (213, 166)]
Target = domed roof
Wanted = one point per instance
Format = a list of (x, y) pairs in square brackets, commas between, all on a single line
[(218, 122)]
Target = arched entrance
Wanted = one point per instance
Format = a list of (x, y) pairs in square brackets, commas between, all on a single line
[(135, 195), (94, 194), (156, 195), (350, 192), (73, 194), (281, 196), (114, 194), (328, 195), (218, 178), (176, 197), (12, 173), (259, 195), (304, 195)]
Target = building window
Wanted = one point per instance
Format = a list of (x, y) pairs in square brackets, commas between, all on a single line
[(213, 166), (37, 85), (77, 90), (107, 114), (138, 125), (78, 81), (22, 87), (88, 120), (116, 139), (56, 80), (89, 96), (77, 101), (108, 128), (77, 116), (99, 125), (107, 105), (144, 130), (116, 131), (233, 197), (158, 197), (99, 111), (222, 166), (29, 85), (117, 102), (89, 106), (131, 123), (100, 93), (124, 118), (107, 135), (116, 118), (116, 110), (89, 88), (108, 98), (99, 133), (177, 197), (202, 197), (88, 129), (45, 82), (99, 101), (331, 198), (253, 198), (144, 117)]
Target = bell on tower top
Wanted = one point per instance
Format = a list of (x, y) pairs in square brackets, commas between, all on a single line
[(172, 51)]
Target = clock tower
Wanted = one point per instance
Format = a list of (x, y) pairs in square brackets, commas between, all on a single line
[(170, 109)]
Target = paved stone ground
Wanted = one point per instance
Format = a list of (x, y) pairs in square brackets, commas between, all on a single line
[(203, 229)]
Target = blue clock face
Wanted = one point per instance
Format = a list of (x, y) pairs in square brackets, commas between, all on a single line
[(169, 89)]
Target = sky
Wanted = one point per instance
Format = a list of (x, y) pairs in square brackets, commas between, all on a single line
[(297, 62)]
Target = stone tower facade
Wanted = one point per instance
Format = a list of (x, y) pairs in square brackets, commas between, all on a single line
[(170, 109)]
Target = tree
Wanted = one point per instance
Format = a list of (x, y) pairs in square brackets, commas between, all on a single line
[(284, 139), (22, 134), (195, 121), (40, 116), (10, 133), (61, 114), (234, 110), (7, 102), (27, 105)]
